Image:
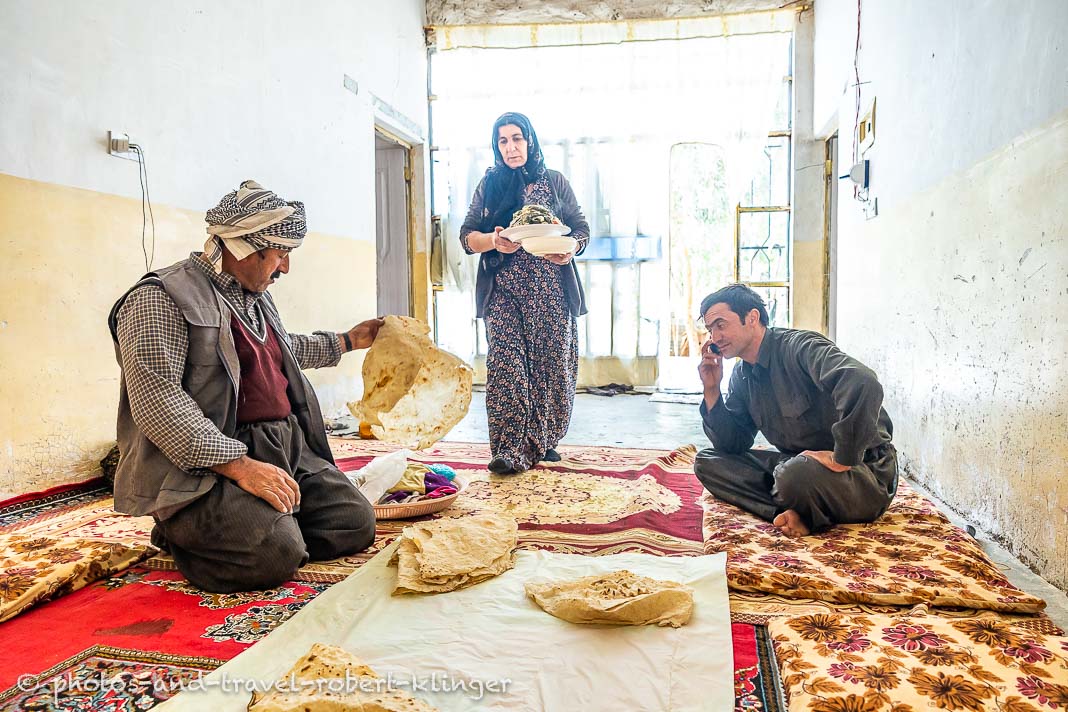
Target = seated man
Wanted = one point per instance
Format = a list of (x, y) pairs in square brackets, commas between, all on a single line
[(819, 407), (220, 434)]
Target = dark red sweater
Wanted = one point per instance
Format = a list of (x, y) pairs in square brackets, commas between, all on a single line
[(262, 395)]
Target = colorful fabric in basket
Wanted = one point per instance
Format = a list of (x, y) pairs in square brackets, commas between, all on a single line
[(432, 486)]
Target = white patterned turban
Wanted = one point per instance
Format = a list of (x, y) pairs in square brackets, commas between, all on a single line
[(251, 219)]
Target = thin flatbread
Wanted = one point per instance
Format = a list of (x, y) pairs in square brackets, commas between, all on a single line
[(446, 554), (618, 598), (330, 679), (414, 393)]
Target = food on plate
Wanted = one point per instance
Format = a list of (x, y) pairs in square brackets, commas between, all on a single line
[(534, 215)]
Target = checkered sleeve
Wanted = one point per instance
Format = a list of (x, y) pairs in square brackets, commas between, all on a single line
[(153, 341), (316, 351)]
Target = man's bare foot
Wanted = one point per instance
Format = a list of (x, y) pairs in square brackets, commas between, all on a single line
[(789, 522)]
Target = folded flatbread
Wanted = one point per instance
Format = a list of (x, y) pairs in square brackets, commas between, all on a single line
[(413, 392), (329, 679), (448, 554), (619, 598)]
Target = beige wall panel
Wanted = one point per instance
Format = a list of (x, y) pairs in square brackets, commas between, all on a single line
[(69, 254), (330, 286), (958, 298), (808, 285)]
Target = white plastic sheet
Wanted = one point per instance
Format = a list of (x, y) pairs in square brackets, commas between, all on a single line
[(491, 633)]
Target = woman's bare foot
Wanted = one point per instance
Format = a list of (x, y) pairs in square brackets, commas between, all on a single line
[(789, 522)]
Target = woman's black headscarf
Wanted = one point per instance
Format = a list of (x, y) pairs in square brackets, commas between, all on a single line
[(503, 194)]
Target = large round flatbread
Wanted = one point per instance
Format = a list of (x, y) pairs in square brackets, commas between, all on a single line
[(413, 392), (330, 679), (619, 598)]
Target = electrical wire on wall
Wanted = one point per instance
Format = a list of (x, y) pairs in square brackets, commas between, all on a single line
[(146, 199), (856, 117)]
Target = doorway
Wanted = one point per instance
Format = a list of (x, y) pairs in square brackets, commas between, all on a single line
[(392, 225)]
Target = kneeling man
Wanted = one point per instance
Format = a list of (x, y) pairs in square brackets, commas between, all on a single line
[(821, 408), (220, 434)]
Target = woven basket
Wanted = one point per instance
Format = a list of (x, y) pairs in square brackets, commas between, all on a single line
[(421, 508)]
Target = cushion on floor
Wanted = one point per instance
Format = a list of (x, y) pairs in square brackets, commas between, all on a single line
[(911, 555), (35, 568), (875, 663)]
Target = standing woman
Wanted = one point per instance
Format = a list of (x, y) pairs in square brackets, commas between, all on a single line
[(529, 303)]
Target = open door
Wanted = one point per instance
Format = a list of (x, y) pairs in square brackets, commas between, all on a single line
[(392, 226)]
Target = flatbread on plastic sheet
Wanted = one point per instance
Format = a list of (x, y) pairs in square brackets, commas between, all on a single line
[(330, 679), (409, 580), (448, 554), (617, 598), (414, 393)]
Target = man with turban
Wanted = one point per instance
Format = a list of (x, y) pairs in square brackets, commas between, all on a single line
[(220, 434)]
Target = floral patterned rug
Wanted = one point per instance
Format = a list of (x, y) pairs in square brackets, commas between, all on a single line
[(911, 555), (860, 663), (36, 568), (152, 632)]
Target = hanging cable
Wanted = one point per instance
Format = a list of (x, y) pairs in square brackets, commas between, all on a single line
[(146, 198), (856, 77)]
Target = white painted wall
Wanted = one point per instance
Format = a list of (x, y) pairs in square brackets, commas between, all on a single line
[(955, 79), (807, 201), (215, 92), (956, 293), (808, 148)]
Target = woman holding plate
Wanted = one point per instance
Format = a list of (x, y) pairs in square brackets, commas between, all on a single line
[(529, 302)]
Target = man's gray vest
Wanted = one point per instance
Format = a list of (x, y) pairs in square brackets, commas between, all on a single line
[(146, 481)]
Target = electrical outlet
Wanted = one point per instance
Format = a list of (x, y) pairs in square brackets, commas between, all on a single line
[(871, 208), (119, 145)]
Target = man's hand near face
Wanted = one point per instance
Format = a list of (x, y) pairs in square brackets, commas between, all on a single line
[(710, 371)]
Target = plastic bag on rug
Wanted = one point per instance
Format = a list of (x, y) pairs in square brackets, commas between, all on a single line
[(414, 392), (376, 477)]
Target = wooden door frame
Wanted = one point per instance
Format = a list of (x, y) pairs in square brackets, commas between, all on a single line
[(417, 209)]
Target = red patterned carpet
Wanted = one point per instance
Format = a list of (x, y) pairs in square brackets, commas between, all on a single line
[(146, 632)]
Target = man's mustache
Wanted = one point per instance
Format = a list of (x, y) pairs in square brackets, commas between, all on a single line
[(276, 275)]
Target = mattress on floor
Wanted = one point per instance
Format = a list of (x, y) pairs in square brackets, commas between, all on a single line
[(920, 661), (911, 555)]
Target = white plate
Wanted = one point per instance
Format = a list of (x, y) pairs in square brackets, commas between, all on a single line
[(522, 232), (549, 245)]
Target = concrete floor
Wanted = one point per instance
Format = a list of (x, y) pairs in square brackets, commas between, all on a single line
[(623, 420), (634, 421)]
